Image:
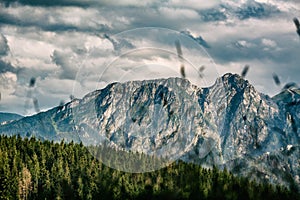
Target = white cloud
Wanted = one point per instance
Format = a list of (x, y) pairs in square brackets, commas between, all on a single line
[(137, 3), (67, 62), (178, 13), (28, 51), (71, 35), (55, 86), (268, 43), (54, 18), (8, 81), (194, 4), (8, 86), (244, 44), (284, 5)]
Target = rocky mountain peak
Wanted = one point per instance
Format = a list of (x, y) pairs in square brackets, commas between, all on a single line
[(228, 124), (232, 81)]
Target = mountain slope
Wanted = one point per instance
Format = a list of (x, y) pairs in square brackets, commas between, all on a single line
[(229, 125), (255, 135), (9, 117)]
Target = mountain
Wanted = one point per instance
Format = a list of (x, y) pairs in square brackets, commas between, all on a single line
[(8, 117), (229, 125)]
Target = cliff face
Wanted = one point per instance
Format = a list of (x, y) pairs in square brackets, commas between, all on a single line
[(229, 124)]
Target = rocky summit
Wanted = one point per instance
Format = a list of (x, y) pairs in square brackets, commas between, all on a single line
[(229, 124)]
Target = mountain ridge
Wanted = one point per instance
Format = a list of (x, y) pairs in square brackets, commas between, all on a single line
[(228, 124), (9, 117)]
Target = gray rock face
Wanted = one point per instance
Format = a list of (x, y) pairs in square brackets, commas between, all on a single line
[(229, 124), (157, 117), (256, 136)]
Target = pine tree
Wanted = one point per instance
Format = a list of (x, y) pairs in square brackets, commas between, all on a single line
[(25, 184), (31, 169)]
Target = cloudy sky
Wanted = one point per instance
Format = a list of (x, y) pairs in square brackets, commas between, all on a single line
[(76, 46)]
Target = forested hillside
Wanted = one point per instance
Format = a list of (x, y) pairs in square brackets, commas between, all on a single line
[(31, 169)]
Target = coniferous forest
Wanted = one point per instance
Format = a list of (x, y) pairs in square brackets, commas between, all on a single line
[(32, 169)]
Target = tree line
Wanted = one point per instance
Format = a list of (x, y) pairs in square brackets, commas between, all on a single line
[(34, 169)]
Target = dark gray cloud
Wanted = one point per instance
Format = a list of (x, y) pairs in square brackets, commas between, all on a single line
[(48, 39), (7, 67), (80, 3), (4, 48), (118, 43), (282, 51), (64, 61), (244, 11), (253, 9), (113, 18), (198, 39), (213, 14), (278, 54), (48, 3), (49, 21), (23, 74)]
